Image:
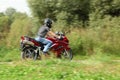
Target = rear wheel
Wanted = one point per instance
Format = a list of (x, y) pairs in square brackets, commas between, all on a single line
[(29, 53), (67, 54)]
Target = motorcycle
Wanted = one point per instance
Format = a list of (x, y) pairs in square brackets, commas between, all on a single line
[(30, 48)]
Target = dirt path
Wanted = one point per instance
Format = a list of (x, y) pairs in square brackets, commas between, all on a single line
[(77, 61), (6, 62)]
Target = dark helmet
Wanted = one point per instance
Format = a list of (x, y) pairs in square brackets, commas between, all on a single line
[(48, 22)]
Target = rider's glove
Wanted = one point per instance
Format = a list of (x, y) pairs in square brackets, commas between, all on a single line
[(60, 37)]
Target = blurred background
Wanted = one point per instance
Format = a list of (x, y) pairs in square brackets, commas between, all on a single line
[(93, 25)]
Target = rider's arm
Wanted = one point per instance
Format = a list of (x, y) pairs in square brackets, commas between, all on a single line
[(53, 34)]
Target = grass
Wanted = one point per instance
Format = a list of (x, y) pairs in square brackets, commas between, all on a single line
[(55, 69), (96, 67), (8, 55)]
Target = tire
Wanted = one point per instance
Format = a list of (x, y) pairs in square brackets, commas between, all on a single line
[(67, 54), (29, 53)]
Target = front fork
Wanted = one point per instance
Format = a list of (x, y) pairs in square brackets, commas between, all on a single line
[(39, 52)]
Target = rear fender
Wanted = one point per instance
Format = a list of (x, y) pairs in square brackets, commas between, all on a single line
[(28, 42), (24, 47)]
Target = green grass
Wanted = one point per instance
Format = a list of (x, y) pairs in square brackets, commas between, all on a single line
[(8, 55), (55, 69), (95, 67)]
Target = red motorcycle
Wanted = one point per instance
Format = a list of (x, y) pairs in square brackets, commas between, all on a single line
[(30, 48)]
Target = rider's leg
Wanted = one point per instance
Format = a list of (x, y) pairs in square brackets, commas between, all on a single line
[(47, 46), (47, 43)]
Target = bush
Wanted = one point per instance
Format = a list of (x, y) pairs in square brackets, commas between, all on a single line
[(108, 33), (104, 37), (18, 28), (82, 41)]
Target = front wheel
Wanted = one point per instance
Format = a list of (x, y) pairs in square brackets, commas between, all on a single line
[(67, 54)]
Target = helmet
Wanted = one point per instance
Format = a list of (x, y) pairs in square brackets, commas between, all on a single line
[(48, 22)]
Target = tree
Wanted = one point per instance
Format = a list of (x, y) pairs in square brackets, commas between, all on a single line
[(10, 12), (1, 14), (4, 26), (20, 27), (77, 10), (4, 23), (105, 7)]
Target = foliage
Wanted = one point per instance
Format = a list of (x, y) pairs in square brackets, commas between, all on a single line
[(10, 11), (105, 7), (101, 19), (59, 70), (9, 54), (108, 33), (19, 28), (95, 40), (4, 27), (93, 68), (61, 10), (99, 42), (4, 23)]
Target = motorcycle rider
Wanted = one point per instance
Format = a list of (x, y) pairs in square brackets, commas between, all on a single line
[(43, 31)]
